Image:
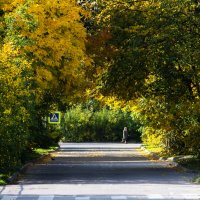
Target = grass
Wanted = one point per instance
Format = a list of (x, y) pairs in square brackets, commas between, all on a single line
[(28, 156), (3, 179), (196, 180), (154, 149), (33, 154), (44, 151), (191, 163)]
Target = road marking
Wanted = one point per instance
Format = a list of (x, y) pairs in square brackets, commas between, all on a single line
[(155, 196), (119, 197), (9, 198), (197, 197), (46, 198)]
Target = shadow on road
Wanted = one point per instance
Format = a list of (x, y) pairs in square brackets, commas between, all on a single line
[(102, 164), (102, 171)]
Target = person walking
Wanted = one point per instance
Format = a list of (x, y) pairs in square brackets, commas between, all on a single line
[(125, 135)]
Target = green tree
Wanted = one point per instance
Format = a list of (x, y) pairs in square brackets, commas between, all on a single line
[(155, 64)]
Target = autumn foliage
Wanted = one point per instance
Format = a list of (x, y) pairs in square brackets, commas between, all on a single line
[(42, 58), (155, 71), (137, 56)]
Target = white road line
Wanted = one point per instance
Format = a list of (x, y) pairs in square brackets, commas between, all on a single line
[(118, 197), (82, 198), (46, 198), (9, 198), (155, 196), (191, 197)]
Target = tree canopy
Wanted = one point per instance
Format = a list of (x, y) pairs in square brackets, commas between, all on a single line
[(138, 56), (153, 67), (42, 66)]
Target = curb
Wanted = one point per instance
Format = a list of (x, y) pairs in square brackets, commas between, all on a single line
[(169, 160), (150, 153), (14, 177)]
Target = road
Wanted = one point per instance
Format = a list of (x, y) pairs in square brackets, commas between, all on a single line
[(102, 171)]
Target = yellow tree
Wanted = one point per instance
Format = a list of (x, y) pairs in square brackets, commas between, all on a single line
[(15, 105), (53, 37), (42, 57)]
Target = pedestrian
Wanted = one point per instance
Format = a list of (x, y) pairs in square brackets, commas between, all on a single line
[(125, 135)]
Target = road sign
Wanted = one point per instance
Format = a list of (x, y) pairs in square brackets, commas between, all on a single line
[(54, 118)]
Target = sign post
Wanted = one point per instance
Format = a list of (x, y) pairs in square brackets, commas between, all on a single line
[(54, 118)]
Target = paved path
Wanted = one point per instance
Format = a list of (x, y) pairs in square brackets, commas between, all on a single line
[(92, 171)]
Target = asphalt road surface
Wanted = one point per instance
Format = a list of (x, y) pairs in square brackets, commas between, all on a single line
[(102, 171)]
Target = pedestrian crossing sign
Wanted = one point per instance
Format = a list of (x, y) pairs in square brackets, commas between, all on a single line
[(54, 118)]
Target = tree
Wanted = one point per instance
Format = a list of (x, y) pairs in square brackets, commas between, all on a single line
[(15, 105), (53, 37), (156, 45), (42, 67)]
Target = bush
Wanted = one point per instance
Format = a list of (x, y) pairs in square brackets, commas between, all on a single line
[(82, 124)]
